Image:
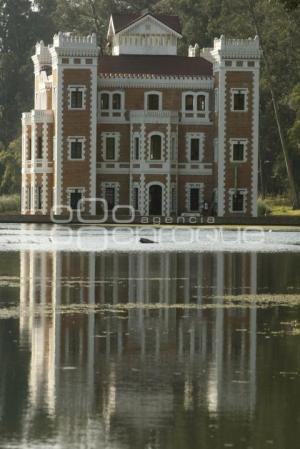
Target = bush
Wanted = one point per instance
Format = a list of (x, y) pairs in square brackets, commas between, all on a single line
[(10, 203), (263, 208)]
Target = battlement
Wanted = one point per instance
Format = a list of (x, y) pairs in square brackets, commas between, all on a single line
[(69, 44), (236, 48)]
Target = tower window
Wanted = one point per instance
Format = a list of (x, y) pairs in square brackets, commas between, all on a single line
[(39, 198), (76, 150), (110, 197), (136, 198), (194, 199), (238, 202), (76, 99), (239, 100), (75, 198), (238, 152)]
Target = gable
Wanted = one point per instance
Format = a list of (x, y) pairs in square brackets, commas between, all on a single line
[(148, 25), (125, 22)]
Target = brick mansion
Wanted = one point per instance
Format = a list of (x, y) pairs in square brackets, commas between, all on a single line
[(141, 125)]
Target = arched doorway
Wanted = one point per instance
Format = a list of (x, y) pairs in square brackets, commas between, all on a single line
[(155, 200)]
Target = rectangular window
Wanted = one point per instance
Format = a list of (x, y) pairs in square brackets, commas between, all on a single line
[(238, 150), (189, 103), (29, 149), (195, 149), (75, 197), (173, 199), (76, 149), (153, 102), (104, 101), (29, 197), (194, 199), (238, 202), (173, 149), (136, 198), (110, 197), (76, 99), (110, 148), (117, 102), (40, 148), (39, 198), (136, 148), (239, 101)]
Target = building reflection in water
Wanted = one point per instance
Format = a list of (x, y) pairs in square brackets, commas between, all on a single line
[(134, 366)]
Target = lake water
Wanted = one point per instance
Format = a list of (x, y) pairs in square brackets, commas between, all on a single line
[(179, 347)]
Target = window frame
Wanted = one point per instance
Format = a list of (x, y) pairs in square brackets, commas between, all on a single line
[(243, 193), (241, 141), (76, 139), (71, 90), (151, 136), (239, 91), (194, 112)]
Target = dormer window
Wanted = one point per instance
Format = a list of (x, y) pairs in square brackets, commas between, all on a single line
[(153, 101)]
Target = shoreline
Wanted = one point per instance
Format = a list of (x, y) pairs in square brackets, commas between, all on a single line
[(285, 221)]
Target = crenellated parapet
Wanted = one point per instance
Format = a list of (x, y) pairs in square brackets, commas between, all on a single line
[(68, 44)]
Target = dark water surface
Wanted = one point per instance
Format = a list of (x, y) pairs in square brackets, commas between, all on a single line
[(149, 350)]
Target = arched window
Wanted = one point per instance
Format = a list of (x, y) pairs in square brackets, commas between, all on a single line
[(155, 147), (116, 101), (189, 102), (104, 101), (201, 103), (153, 102)]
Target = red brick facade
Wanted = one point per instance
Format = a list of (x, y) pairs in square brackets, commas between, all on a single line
[(164, 144)]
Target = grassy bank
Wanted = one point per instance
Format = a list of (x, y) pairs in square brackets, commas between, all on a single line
[(10, 204), (280, 205)]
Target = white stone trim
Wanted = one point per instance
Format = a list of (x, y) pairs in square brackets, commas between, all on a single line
[(188, 187), (80, 139), (74, 88), (241, 191), (188, 138), (110, 112), (235, 90), (160, 100), (242, 141), (163, 139), (117, 137), (155, 82)]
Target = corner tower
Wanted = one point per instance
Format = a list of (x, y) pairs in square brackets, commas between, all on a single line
[(74, 91), (236, 72)]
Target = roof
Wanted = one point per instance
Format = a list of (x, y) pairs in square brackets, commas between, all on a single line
[(122, 21), (155, 65)]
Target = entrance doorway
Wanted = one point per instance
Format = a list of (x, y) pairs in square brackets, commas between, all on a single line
[(155, 200)]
